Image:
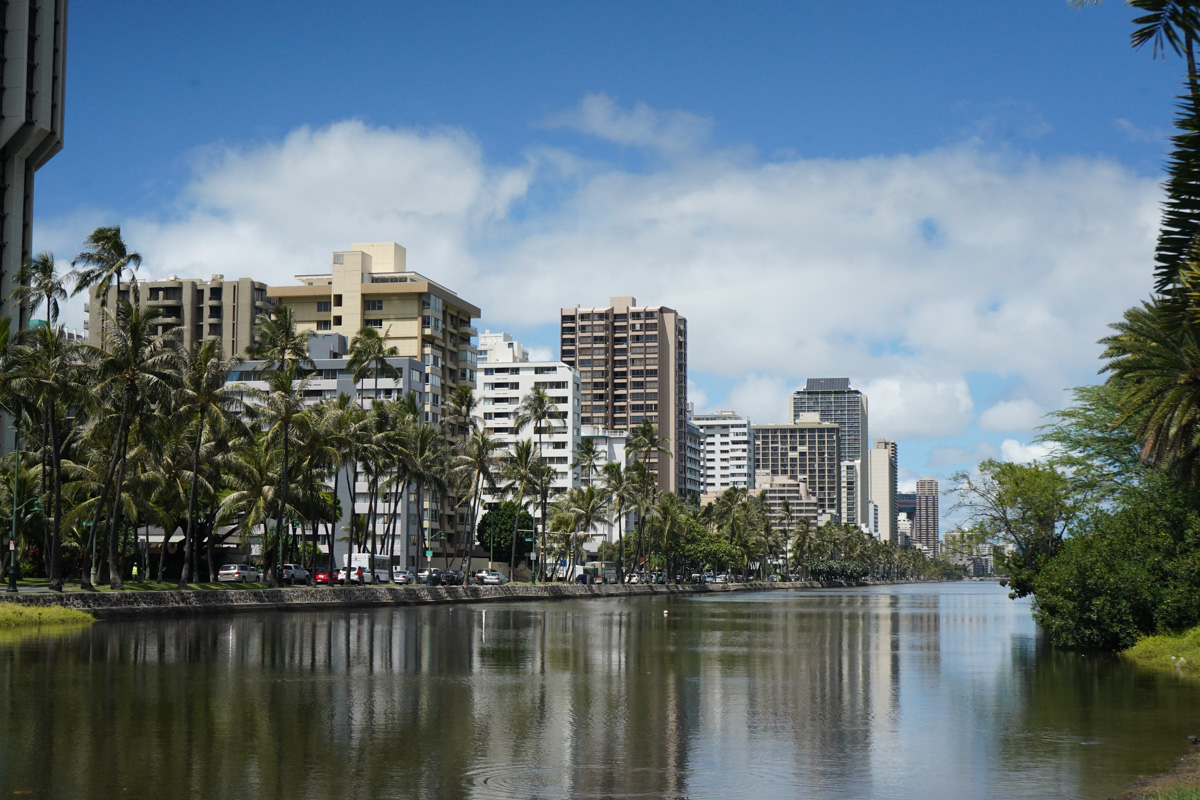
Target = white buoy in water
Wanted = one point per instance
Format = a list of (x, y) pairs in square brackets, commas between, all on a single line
[(665, 612)]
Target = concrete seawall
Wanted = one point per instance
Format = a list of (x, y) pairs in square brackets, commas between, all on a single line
[(111, 605)]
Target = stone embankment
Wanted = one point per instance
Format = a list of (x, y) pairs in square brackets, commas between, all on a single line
[(109, 605)]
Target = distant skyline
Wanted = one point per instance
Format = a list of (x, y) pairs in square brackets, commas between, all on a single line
[(945, 202)]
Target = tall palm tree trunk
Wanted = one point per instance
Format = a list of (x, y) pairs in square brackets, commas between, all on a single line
[(189, 538), (54, 565), (512, 557)]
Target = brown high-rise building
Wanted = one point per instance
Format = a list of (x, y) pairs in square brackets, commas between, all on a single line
[(632, 362), (194, 309)]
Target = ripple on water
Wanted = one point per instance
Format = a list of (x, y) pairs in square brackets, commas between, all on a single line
[(495, 779)]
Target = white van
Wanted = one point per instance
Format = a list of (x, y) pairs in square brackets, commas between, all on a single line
[(376, 569)]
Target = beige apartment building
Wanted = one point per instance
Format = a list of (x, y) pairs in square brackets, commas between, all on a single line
[(632, 362), (196, 309), (799, 463), (369, 286)]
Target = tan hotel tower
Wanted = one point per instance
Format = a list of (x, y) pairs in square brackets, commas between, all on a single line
[(369, 285)]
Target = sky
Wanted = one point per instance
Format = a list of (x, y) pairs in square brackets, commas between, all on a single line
[(946, 202)]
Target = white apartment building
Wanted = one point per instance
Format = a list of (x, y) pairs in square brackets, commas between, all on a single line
[(504, 384), (499, 348), (882, 462), (611, 445), (728, 458)]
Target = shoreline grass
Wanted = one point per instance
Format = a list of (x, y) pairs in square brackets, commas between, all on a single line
[(1178, 653), (13, 615)]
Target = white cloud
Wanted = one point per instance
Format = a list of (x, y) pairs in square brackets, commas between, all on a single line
[(540, 354), (1012, 450), (1011, 415), (913, 406), (669, 132), (910, 273), (940, 457), (764, 399)]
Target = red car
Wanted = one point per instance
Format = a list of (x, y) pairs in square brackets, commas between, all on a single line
[(321, 577)]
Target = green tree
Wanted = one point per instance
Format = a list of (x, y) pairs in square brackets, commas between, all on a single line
[(1029, 506), (495, 530)]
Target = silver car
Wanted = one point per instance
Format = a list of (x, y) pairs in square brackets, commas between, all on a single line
[(403, 576), (239, 573)]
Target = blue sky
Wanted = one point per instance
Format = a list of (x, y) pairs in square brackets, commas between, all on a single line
[(944, 201)]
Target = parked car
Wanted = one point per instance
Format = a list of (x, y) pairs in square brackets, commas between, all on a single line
[(294, 573), (430, 576), (357, 575), (453, 577), (321, 577), (403, 576), (239, 573), (722, 578), (494, 578)]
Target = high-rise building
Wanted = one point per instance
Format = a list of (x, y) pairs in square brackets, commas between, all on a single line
[(728, 452), (370, 286), (884, 488), (632, 362), (33, 59), (925, 523), (906, 503), (799, 463), (695, 462), (845, 407), (195, 309), (504, 384)]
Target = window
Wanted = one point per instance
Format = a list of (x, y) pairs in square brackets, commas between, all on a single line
[(374, 322), (337, 321), (337, 300), (324, 325), (372, 305), (324, 306)]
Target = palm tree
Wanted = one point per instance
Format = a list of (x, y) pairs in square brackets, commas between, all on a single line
[(46, 371), (538, 410), (369, 354), (479, 460), (425, 455), (281, 413), (203, 393), (587, 457), (39, 283), (103, 263), (579, 510), (137, 365), (1157, 364), (277, 341), (519, 470), (619, 486), (646, 443)]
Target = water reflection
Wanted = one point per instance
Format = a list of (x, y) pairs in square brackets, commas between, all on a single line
[(909, 692)]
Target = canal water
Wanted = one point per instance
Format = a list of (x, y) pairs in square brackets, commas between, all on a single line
[(925, 692)]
